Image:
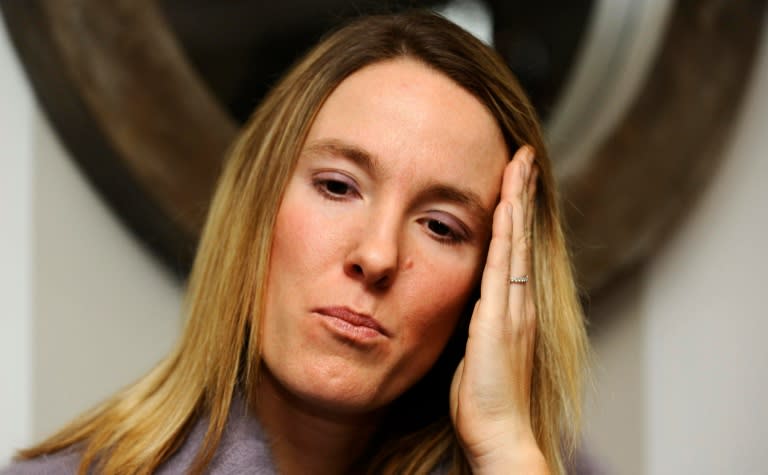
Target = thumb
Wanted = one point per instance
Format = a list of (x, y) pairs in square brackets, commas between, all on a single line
[(455, 385)]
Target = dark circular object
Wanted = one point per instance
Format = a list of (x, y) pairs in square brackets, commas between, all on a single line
[(147, 96)]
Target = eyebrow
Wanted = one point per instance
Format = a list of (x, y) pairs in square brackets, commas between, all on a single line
[(356, 155), (434, 191)]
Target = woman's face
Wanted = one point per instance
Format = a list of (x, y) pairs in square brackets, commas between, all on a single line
[(380, 236)]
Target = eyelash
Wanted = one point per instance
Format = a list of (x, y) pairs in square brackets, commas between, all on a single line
[(321, 184), (452, 238)]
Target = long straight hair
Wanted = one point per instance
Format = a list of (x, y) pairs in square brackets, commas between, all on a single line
[(218, 352)]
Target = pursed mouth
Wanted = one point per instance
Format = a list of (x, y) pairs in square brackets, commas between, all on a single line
[(353, 318)]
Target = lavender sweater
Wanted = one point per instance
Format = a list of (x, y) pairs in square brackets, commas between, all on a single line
[(243, 449)]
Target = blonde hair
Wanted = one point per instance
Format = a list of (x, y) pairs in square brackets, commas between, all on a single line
[(218, 353)]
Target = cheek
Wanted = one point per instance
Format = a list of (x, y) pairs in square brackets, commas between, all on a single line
[(288, 240), (438, 303), (301, 238), (289, 263)]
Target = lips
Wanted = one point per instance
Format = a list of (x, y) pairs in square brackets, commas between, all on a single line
[(353, 318)]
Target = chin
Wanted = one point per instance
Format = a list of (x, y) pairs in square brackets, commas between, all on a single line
[(339, 391), (333, 402)]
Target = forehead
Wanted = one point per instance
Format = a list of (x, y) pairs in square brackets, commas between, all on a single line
[(418, 123)]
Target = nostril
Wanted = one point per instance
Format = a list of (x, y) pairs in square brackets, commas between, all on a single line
[(382, 282), (357, 269)]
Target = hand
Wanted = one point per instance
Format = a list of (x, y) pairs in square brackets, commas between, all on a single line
[(491, 389)]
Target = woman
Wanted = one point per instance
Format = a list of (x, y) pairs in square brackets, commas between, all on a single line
[(360, 301)]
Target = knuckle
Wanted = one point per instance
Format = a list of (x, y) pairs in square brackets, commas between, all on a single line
[(500, 211), (496, 265), (519, 329), (530, 319), (499, 234), (523, 242)]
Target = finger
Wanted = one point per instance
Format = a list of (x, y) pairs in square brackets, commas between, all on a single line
[(531, 200), (520, 254), (513, 184), (455, 387), (529, 230), (494, 286), (532, 323)]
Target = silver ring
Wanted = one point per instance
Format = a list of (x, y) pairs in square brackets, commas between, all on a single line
[(519, 280)]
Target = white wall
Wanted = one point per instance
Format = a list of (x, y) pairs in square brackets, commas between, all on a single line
[(707, 319), (16, 117), (104, 310), (85, 309), (683, 369)]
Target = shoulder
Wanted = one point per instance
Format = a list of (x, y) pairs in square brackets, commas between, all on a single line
[(243, 447), (60, 463)]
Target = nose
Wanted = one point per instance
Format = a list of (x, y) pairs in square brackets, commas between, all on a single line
[(374, 256)]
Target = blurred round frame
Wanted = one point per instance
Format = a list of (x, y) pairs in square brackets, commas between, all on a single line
[(147, 98)]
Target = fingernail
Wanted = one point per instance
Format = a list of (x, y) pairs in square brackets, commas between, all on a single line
[(529, 153), (526, 166)]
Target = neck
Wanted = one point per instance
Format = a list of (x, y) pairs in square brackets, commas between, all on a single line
[(305, 438)]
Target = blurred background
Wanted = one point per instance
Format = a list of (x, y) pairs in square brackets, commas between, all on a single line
[(114, 116)]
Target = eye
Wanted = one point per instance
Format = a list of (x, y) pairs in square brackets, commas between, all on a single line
[(335, 186), (444, 231), (439, 228)]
